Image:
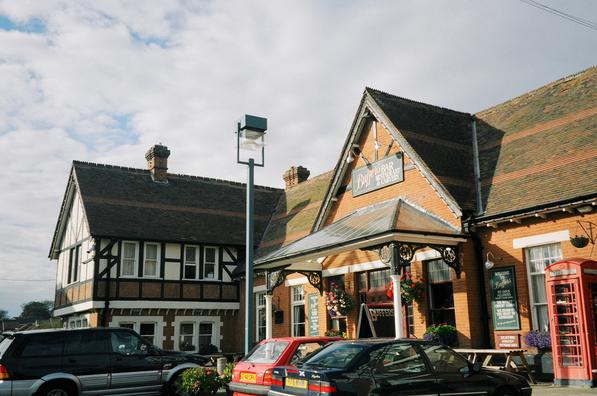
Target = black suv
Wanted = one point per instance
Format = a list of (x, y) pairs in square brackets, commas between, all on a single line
[(107, 361)]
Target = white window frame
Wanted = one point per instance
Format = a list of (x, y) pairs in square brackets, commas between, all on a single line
[(155, 330), (294, 303), (74, 264), (136, 321), (193, 335), (532, 304), (157, 259), (135, 262), (216, 262), (216, 336), (196, 264), (259, 307), (212, 334)]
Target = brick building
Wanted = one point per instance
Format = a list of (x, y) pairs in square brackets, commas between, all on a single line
[(509, 185)]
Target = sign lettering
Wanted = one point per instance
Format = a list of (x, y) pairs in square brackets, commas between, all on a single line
[(313, 311), (379, 174), (504, 302)]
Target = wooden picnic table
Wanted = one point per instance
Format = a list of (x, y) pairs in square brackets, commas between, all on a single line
[(475, 355)]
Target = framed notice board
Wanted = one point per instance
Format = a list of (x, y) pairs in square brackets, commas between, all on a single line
[(504, 303)]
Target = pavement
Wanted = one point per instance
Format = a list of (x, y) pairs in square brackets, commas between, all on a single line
[(547, 389)]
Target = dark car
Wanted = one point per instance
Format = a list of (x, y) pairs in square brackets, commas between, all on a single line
[(113, 361), (393, 367)]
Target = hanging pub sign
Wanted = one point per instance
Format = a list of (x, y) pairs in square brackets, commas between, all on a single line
[(503, 299), (313, 310), (379, 174)]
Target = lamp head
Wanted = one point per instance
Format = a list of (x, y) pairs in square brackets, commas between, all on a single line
[(488, 263), (251, 132)]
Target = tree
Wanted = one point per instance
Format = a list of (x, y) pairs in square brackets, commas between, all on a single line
[(37, 310), (3, 314)]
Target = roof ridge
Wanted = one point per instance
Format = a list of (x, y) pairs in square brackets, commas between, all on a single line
[(178, 175), (535, 90), (416, 102)]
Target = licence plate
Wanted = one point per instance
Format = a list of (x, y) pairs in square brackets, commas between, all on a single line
[(296, 383), (248, 377)]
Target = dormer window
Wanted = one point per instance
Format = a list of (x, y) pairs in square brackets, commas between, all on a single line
[(130, 257), (150, 263)]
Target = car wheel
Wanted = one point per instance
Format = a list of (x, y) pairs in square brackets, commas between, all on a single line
[(57, 389), (173, 387)]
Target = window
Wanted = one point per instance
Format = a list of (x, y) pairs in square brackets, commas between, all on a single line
[(267, 352), (298, 310), (85, 342), (191, 262), (74, 263), (303, 350), (205, 333), (129, 259), (42, 345), (127, 343), (210, 258), (379, 279), (335, 355), (147, 332), (260, 315), (538, 258), (441, 293), (444, 360), (401, 359), (150, 264), (187, 334)]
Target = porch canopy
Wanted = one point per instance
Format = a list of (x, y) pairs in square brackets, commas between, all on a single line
[(375, 226)]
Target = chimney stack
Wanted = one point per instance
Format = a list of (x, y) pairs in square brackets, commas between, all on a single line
[(295, 175), (157, 163)]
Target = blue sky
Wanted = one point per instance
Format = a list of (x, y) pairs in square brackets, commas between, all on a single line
[(103, 80)]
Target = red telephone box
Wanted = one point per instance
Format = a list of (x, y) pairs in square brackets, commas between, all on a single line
[(572, 305)]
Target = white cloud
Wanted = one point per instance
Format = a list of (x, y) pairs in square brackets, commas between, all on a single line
[(104, 80)]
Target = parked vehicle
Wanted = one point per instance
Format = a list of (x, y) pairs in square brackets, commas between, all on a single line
[(252, 375), (393, 367), (62, 362)]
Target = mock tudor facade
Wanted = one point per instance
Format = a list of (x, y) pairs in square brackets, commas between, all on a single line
[(416, 188), (153, 251)]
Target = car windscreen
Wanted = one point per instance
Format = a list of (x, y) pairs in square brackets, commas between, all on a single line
[(268, 352), (337, 355)]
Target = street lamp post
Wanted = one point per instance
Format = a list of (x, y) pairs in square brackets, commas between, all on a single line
[(250, 137)]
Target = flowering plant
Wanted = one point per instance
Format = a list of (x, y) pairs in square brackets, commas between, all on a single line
[(200, 380), (335, 333), (411, 289), (538, 339), (337, 301), (443, 332)]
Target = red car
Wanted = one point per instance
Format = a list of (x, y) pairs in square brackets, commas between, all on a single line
[(253, 374)]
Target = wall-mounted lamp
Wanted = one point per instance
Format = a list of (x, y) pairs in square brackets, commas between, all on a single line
[(351, 153), (489, 263)]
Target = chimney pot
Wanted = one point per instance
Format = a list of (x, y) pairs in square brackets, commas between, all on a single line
[(295, 175), (157, 162)]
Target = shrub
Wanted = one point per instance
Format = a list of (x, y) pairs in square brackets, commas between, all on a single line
[(444, 333), (335, 333), (226, 375), (199, 380)]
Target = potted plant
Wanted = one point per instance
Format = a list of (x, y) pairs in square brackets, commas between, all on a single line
[(579, 241), (200, 381), (444, 333), (538, 339), (543, 360), (411, 289), (337, 301), (226, 377)]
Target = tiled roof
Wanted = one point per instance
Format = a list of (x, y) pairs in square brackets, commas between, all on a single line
[(441, 137), (127, 203), (541, 147), (295, 213)]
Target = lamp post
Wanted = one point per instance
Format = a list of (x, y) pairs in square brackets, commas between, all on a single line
[(250, 138)]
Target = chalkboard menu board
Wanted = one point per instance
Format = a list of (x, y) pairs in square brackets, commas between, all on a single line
[(503, 299), (313, 313)]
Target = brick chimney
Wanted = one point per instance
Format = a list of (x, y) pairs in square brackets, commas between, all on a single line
[(157, 163), (295, 175)]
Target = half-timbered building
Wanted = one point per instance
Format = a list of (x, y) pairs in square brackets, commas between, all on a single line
[(154, 251)]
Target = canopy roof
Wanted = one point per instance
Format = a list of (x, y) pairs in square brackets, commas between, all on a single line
[(392, 220)]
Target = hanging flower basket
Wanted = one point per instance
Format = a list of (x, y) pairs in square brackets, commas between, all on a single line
[(443, 333), (411, 289), (579, 241), (337, 301)]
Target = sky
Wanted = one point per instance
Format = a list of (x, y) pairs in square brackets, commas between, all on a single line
[(103, 80)]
